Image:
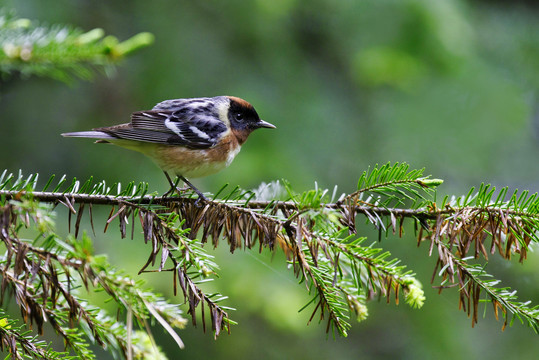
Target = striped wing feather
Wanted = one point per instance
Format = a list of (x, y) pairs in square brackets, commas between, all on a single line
[(197, 131)]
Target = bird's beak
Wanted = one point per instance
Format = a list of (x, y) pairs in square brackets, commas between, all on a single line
[(265, 124)]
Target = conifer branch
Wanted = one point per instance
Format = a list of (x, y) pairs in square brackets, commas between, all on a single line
[(60, 52), (40, 275), (21, 344), (319, 237)]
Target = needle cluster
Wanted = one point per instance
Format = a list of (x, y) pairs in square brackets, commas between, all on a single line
[(319, 233)]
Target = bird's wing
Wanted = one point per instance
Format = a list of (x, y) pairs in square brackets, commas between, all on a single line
[(171, 127)]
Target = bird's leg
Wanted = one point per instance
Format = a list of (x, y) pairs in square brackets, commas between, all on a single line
[(173, 185), (199, 193)]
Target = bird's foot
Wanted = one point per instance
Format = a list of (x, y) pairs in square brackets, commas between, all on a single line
[(200, 197), (176, 189)]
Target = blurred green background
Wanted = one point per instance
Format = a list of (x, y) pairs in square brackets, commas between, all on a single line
[(451, 86)]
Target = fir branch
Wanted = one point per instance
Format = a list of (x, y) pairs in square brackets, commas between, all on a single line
[(59, 311), (168, 239), (393, 185), (317, 235), (37, 275), (472, 280), (22, 345), (60, 52)]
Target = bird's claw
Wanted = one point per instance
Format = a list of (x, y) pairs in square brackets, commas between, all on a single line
[(200, 197), (176, 189)]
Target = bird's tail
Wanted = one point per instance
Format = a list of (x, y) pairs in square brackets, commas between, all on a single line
[(90, 134)]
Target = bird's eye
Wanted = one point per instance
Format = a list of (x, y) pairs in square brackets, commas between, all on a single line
[(239, 116)]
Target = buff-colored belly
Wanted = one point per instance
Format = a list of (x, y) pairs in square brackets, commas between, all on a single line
[(185, 162), (189, 163)]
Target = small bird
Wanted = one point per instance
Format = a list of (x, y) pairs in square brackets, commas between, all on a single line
[(189, 138)]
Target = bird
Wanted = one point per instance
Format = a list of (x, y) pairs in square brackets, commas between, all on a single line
[(189, 138)]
